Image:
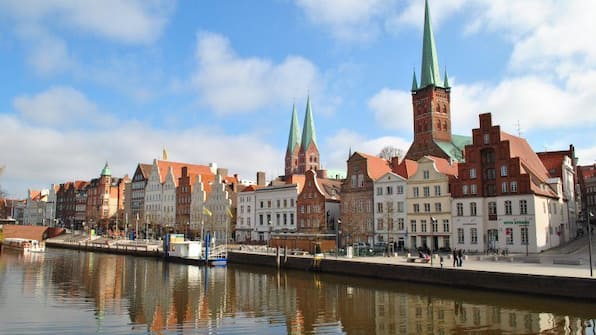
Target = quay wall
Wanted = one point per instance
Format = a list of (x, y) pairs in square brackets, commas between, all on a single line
[(564, 287), (141, 251)]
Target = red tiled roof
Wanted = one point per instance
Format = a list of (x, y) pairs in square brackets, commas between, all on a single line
[(145, 170), (407, 168), (177, 169), (251, 188), (530, 163), (376, 166), (444, 166), (298, 179)]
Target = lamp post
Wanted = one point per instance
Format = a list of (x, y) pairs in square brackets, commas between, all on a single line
[(337, 223), (588, 216), (432, 236)]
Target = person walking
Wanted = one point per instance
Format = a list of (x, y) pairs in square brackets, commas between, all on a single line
[(460, 257), (455, 257)]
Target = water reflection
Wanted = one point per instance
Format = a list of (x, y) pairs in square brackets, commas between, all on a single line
[(117, 294)]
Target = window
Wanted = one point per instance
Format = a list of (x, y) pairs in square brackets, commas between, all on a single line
[(400, 206), (426, 174), (261, 219), (427, 208), (285, 219), (389, 190), (400, 189), (523, 207), (474, 236), (379, 207), (503, 170), (504, 187), (416, 208), (460, 209), (509, 235), (354, 180), (416, 192), (278, 203), (492, 208), (472, 173), (486, 138), (400, 224), (291, 202), (285, 203), (446, 226), (426, 191), (464, 189), (360, 180), (292, 218), (438, 190), (524, 235), (413, 226), (460, 235), (473, 188), (379, 191), (473, 209), (262, 204), (423, 226), (380, 224), (435, 224), (438, 207), (390, 207), (508, 207)]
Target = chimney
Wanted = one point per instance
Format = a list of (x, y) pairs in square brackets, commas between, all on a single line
[(322, 174), (222, 172), (261, 178), (394, 163)]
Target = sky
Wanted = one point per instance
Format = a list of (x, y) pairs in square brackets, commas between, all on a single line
[(85, 82)]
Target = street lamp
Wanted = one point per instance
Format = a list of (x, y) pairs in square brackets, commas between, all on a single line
[(588, 216), (432, 236), (337, 223)]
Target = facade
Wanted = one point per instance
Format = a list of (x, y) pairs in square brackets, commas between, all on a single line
[(35, 208), (318, 204), (390, 209), (219, 206), (12, 211), (245, 218), (357, 214), (160, 194), (135, 205), (80, 216), (105, 200), (503, 196), (431, 102), (587, 185), (198, 191), (302, 153), (429, 204)]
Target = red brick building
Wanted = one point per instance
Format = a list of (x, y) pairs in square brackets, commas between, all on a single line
[(105, 200), (318, 204), (357, 196)]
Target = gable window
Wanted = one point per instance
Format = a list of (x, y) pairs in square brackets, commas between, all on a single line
[(472, 173), (503, 170), (486, 138), (473, 189), (513, 186), (464, 189), (426, 174)]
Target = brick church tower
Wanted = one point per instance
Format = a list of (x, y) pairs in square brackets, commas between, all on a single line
[(431, 102), (302, 153)]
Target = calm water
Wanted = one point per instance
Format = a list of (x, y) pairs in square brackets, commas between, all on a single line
[(69, 292)]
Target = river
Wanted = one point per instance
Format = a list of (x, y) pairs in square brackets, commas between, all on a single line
[(71, 292)]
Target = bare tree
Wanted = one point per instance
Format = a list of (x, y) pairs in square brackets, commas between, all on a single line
[(389, 152)]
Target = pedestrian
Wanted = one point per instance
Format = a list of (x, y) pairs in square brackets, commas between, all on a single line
[(460, 257), (454, 257), (441, 261)]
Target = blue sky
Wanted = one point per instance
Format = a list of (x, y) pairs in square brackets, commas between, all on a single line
[(214, 81)]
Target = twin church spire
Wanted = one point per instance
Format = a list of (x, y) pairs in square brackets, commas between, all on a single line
[(302, 153)]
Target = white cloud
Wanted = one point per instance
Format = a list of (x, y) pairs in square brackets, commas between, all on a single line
[(60, 106), (127, 21), (413, 14), (392, 109), (39, 156), (47, 53), (230, 84), (347, 20)]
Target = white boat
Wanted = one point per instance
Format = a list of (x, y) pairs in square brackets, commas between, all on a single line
[(23, 244)]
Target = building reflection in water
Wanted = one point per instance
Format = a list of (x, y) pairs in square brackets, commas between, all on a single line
[(158, 296)]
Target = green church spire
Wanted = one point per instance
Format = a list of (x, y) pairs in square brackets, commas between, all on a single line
[(294, 137), (446, 82), (106, 170), (308, 132), (430, 63), (414, 82)]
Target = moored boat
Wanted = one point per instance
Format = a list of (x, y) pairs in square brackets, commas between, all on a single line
[(23, 244)]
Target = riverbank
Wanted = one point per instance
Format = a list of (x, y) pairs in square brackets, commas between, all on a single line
[(554, 280)]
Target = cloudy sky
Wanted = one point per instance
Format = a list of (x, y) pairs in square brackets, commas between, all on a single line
[(85, 82)]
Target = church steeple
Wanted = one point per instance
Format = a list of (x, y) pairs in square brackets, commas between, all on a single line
[(293, 149), (294, 137), (308, 158), (429, 74), (308, 132), (414, 82)]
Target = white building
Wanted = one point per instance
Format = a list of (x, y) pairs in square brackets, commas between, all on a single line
[(390, 209), (219, 205)]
